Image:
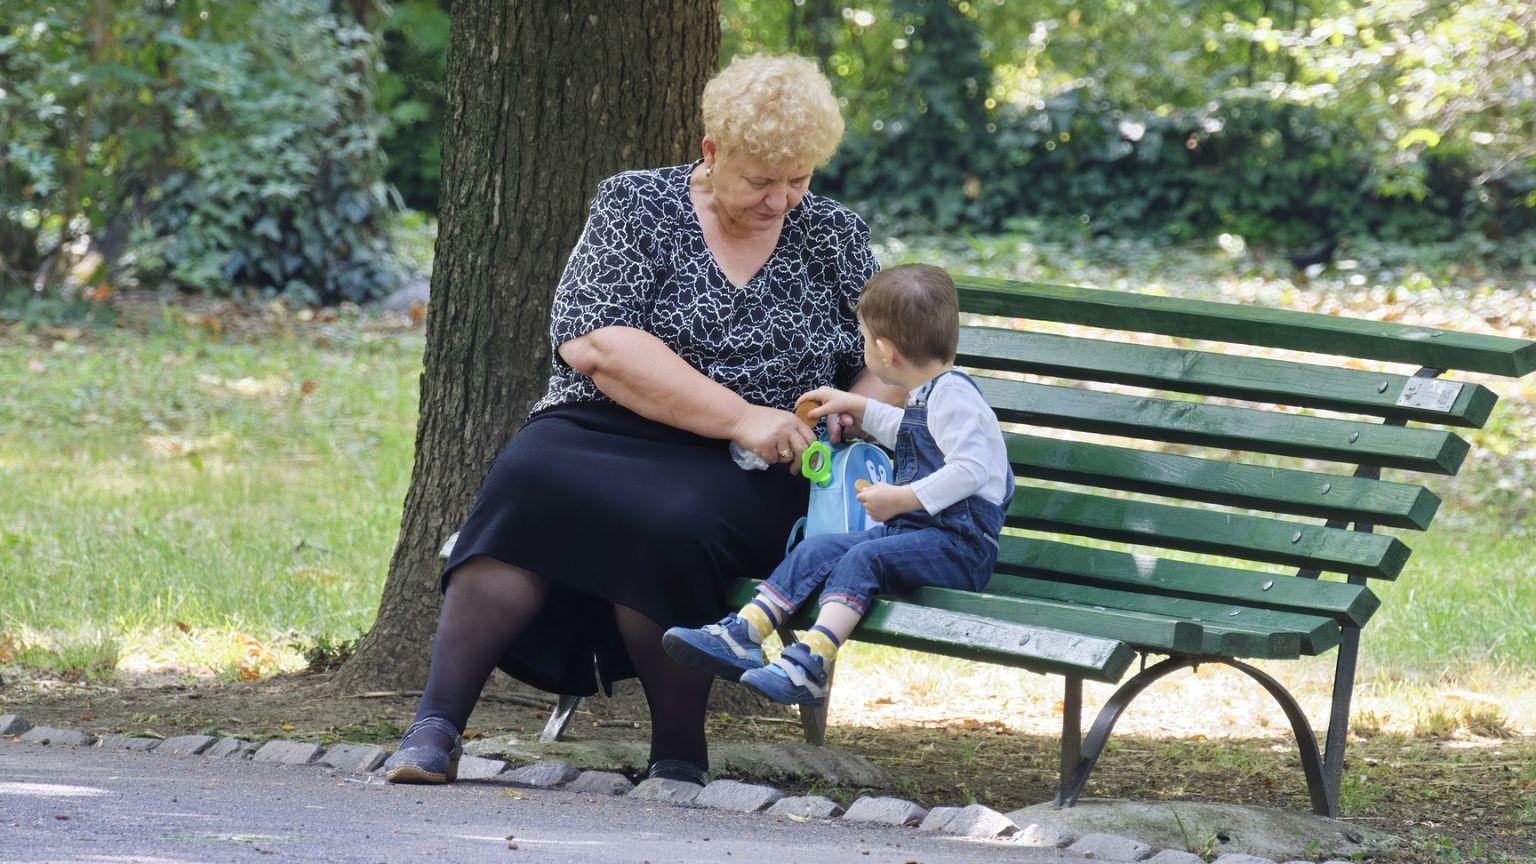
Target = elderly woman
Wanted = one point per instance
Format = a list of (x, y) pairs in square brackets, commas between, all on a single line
[(699, 302)]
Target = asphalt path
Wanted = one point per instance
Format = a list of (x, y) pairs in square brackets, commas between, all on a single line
[(68, 804)]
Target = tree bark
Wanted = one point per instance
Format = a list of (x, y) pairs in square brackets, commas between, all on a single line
[(544, 100)]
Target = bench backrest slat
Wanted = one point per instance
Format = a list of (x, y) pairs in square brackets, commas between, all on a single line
[(1127, 571), (1249, 325), (1234, 484), (1433, 450), (1206, 373), (1212, 532)]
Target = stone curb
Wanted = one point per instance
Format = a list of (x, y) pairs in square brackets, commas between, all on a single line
[(806, 807), (974, 822), (542, 775), (124, 742), (186, 745), (669, 791), (1110, 847), (601, 783), (355, 758), (885, 811), (51, 736), (230, 748), (280, 752), (738, 796)]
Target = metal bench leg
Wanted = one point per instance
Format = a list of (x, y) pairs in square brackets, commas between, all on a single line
[(1071, 737), (1338, 717), (1093, 746), (559, 719), (812, 720)]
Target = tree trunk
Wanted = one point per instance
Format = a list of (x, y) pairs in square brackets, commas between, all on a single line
[(544, 100)]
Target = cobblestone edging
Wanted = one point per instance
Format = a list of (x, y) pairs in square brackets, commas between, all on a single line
[(974, 822)]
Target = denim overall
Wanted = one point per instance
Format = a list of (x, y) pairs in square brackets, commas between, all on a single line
[(957, 548)]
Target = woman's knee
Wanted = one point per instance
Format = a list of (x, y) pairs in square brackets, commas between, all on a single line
[(486, 580)]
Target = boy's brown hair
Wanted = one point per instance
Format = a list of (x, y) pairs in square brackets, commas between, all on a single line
[(915, 307)]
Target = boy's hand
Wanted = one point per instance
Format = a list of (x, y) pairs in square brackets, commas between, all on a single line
[(834, 401), (882, 501)]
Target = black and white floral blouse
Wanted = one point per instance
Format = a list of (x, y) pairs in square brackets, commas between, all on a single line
[(642, 262)]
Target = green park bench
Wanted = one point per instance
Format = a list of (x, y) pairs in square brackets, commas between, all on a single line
[(1085, 612)]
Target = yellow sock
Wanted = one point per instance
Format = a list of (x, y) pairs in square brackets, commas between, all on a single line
[(822, 643), (759, 622)]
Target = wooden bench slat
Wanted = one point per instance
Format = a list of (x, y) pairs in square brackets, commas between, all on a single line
[(934, 626), (1236, 535), (1235, 484), (1130, 571), (1136, 628), (1156, 632), (1232, 630), (1256, 379), (1431, 450), (1249, 325)]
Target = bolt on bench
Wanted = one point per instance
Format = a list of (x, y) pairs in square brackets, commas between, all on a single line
[(1082, 612)]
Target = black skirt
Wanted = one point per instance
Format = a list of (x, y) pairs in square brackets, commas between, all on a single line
[(612, 508)]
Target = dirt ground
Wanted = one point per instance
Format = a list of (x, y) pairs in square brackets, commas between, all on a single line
[(1452, 800)]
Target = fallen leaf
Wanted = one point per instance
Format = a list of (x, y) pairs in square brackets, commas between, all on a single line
[(418, 313), (183, 627), (307, 388), (513, 793)]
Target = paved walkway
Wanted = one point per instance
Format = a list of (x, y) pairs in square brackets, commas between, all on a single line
[(67, 804)]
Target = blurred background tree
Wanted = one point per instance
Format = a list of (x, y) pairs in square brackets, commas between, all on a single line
[(264, 148)]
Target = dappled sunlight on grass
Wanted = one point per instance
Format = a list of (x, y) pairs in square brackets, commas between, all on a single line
[(172, 479)]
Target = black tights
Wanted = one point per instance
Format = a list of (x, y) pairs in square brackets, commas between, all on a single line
[(487, 605)]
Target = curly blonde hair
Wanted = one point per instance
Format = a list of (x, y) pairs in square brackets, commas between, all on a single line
[(776, 108)]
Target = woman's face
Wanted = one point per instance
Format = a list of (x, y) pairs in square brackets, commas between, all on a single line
[(753, 193)]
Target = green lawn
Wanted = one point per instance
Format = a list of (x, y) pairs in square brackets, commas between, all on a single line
[(223, 502), (181, 498)]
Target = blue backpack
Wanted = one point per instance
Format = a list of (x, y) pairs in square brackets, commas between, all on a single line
[(833, 471)]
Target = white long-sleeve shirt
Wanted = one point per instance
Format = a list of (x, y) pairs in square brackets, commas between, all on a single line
[(964, 427)]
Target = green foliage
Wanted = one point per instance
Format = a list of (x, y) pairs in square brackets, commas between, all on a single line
[(410, 95), (223, 147), (1401, 119)]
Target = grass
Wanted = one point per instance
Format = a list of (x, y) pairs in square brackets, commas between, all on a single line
[(212, 502)]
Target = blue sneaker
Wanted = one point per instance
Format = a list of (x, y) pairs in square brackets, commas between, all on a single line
[(796, 678), (726, 648)]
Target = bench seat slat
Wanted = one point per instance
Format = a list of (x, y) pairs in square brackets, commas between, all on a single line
[(1232, 630), (1236, 535), (1256, 379), (1234, 484), (1432, 450), (1129, 571), (935, 627), (1249, 325), (1134, 628)]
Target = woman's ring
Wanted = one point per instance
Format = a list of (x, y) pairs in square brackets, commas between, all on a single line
[(785, 454)]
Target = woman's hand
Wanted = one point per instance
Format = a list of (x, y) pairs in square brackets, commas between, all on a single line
[(883, 501), (774, 435)]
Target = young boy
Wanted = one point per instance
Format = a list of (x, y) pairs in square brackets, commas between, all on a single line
[(941, 516)]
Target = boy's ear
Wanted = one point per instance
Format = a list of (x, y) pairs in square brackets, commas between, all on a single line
[(888, 353)]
